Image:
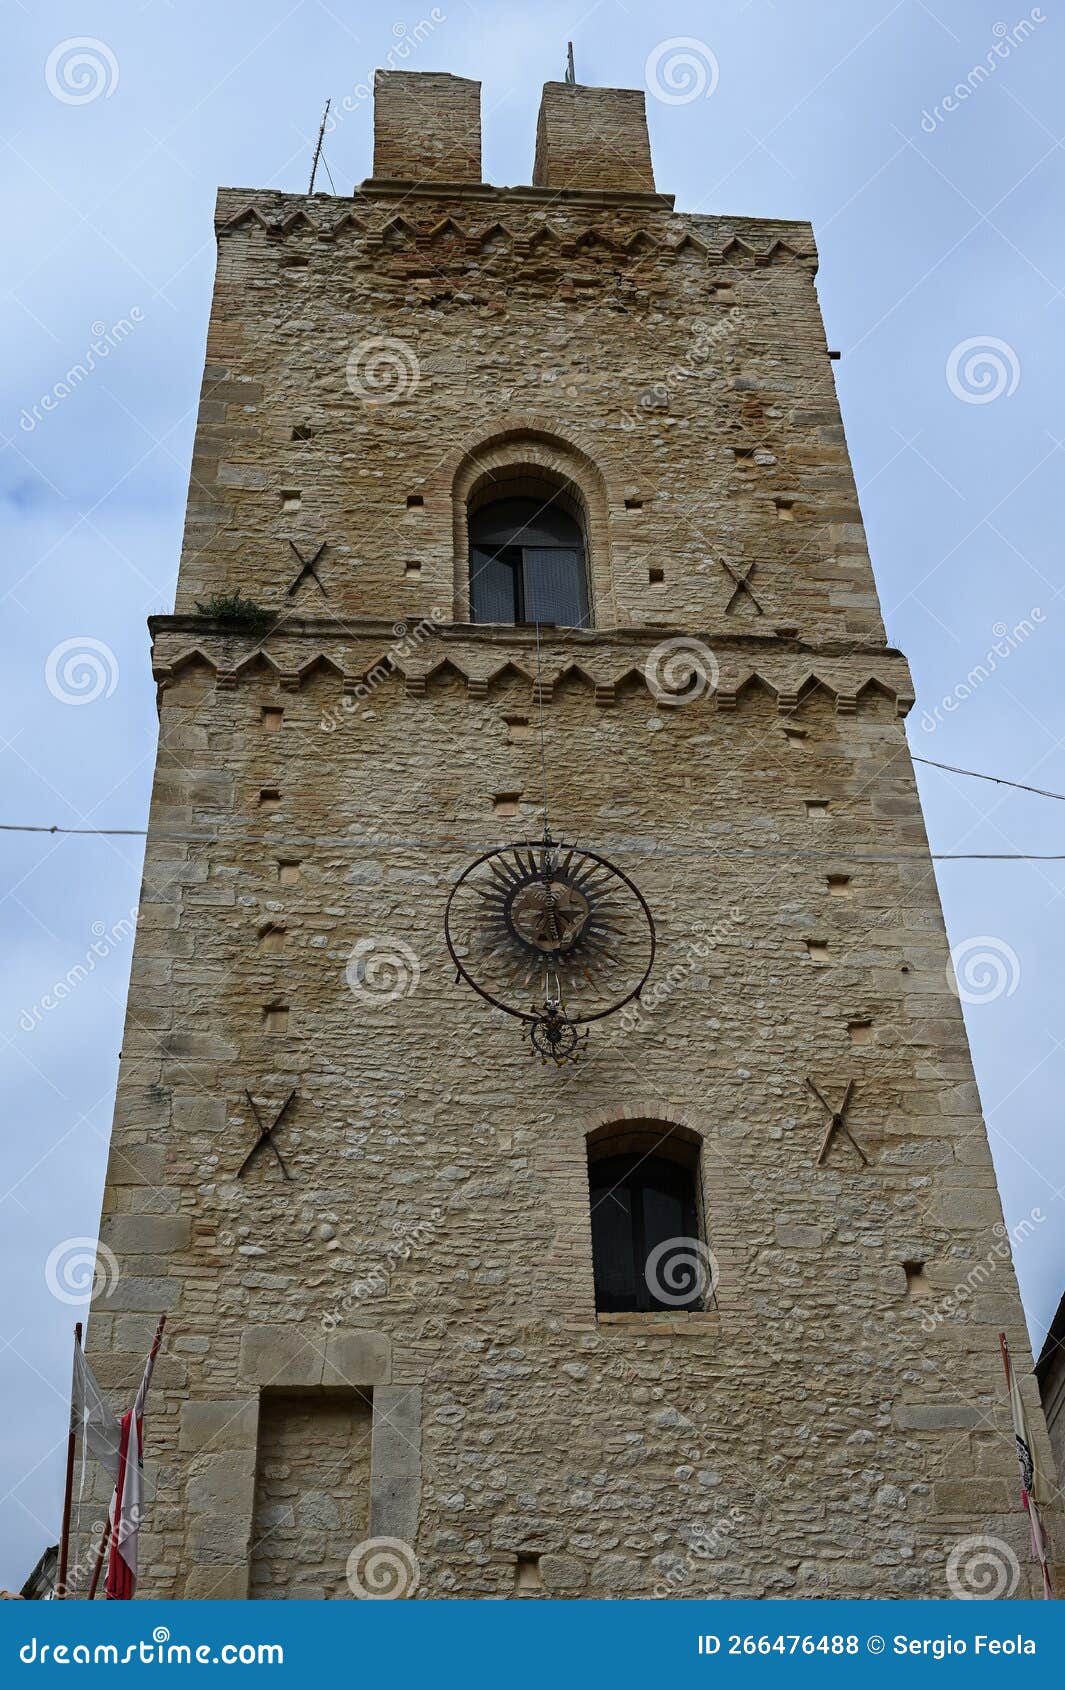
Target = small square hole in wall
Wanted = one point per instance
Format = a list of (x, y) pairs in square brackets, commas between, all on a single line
[(288, 873), (271, 939), (303, 431), (796, 738), (272, 717), (275, 1018), (634, 504), (817, 950), (743, 454), (291, 499), (918, 1283), (527, 1574), (517, 728), (785, 510), (816, 808), (415, 501), (412, 568), (839, 885), (656, 576), (861, 1032), (297, 261), (269, 798), (506, 803)]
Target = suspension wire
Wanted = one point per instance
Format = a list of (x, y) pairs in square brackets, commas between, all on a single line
[(543, 747), (999, 780), (660, 848)]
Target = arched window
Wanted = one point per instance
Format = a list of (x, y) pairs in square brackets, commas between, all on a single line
[(646, 1246), (527, 558)]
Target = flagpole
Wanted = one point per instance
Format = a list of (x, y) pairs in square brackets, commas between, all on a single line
[(68, 1493), (131, 1429), (100, 1553)]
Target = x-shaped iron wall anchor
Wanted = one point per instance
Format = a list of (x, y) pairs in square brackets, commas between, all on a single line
[(742, 584), (836, 1121), (307, 569), (266, 1134)]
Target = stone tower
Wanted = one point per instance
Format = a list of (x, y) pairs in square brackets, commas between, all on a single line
[(387, 1318)]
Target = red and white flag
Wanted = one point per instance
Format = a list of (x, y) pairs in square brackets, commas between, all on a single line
[(1033, 1481), (127, 1504)]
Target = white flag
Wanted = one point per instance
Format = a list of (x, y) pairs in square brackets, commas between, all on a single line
[(91, 1419)]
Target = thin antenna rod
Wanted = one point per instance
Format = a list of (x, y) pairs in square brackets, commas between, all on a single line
[(543, 752), (571, 74), (318, 148)]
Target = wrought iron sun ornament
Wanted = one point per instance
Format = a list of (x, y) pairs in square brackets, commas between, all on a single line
[(552, 934)]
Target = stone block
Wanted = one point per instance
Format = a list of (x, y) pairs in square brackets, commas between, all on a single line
[(146, 1235), (278, 1356), (227, 1424), (357, 1358), (215, 1583)]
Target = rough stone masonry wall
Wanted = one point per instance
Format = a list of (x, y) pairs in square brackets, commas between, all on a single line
[(818, 1431)]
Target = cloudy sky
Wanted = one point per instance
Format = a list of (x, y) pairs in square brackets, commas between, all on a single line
[(938, 218)]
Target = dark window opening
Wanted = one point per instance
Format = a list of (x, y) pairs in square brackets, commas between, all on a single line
[(527, 564), (646, 1248)]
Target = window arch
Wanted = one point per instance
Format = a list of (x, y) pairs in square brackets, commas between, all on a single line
[(528, 554), (521, 458), (647, 1248)]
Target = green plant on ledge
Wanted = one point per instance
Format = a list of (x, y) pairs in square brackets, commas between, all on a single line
[(233, 610)]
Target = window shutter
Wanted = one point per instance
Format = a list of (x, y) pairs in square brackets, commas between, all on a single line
[(491, 588), (554, 586)]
